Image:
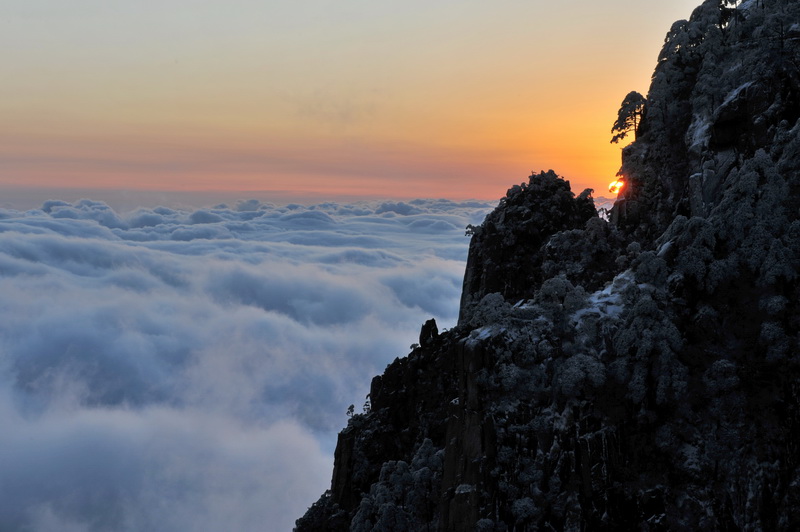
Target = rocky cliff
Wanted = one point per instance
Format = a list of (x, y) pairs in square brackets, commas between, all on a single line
[(641, 373)]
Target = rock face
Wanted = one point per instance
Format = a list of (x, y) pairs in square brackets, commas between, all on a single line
[(636, 374), (507, 251)]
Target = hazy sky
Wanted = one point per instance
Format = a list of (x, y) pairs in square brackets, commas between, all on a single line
[(322, 98)]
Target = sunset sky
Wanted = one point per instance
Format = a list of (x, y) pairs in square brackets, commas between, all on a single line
[(317, 99)]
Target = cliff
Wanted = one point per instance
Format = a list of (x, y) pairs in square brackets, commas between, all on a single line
[(641, 373)]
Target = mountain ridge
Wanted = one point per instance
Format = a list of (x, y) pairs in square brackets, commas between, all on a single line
[(641, 373)]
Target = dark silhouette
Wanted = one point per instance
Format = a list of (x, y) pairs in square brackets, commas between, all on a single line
[(630, 116), (428, 333)]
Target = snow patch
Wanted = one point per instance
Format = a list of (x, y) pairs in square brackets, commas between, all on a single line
[(465, 488), (484, 333), (698, 132), (735, 93), (747, 4), (664, 248), (608, 301)]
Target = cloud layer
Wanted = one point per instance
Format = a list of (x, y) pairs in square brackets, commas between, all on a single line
[(172, 370)]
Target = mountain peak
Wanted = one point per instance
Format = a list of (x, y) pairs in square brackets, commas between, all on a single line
[(640, 373), (507, 250)]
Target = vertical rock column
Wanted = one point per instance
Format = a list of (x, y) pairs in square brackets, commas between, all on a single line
[(468, 442)]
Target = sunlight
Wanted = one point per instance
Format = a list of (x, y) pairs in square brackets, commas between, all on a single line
[(616, 186)]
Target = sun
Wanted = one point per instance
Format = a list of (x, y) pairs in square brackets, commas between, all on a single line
[(616, 186)]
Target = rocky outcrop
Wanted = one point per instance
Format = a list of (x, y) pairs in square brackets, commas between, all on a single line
[(507, 250), (428, 333), (636, 374)]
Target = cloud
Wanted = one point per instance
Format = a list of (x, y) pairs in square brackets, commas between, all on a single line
[(169, 370), (159, 469), (401, 208)]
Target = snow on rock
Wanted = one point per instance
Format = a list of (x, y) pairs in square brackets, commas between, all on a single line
[(607, 302), (698, 133), (732, 95)]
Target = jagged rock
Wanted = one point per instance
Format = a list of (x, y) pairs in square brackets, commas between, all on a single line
[(428, 333), (506, 250), (642, 374)]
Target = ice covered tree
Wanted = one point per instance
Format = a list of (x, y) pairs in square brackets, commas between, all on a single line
[(629, 117)]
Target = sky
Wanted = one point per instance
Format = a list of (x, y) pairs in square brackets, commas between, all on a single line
[(171, 370), (316, 100)]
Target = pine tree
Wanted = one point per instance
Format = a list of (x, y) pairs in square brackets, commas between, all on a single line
[(630, 116)]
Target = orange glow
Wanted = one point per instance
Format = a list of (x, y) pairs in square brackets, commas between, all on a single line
[(471, 106), (616, 186)]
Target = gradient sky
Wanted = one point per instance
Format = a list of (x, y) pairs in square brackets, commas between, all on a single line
[(319, 99)]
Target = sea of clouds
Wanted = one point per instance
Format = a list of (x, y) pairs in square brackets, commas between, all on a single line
[(174, 370)]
